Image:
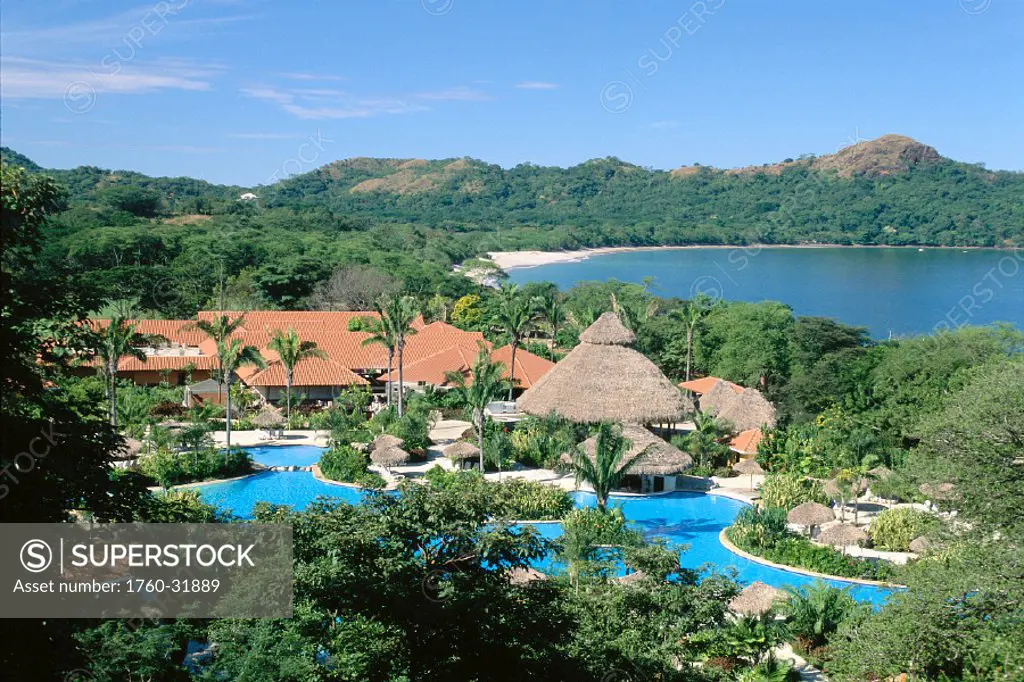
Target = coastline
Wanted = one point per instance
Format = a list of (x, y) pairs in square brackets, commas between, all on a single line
[(518, 260)]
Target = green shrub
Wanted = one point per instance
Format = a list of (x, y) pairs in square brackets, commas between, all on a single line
[(786, 491), (513, 499), (759, 527), (343, 463), (725, 472), (893, 529), (168, 468)]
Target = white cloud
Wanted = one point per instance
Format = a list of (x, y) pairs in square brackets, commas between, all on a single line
[(458, 94), (264, 136), (663, 125), (536, 85), (22, 78), (307, 76), (323, 104)]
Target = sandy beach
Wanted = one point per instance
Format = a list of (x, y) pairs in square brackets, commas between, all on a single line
[(510, 260)]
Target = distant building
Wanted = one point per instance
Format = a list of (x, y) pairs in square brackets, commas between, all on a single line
[(248, 196)]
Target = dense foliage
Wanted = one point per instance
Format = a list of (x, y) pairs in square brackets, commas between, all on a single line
[(345, 464), (169, 468), (511, 500)]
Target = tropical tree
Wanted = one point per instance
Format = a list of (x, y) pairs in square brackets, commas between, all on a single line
[(703, 442), (550, 307), (515, 317), (291, 350), (382, 334), (484, 385), (691, 314), (234, 354), (117, 340), (607, 469), (814, 612), (219, 329), (402, 312)]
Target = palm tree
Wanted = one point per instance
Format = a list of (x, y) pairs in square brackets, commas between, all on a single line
[(402, 313), (551, 309), (484, 385), (234, 354), (814, 612), (692, 313), (607, 469), (291, 350), (119, 340), (382, 334), (515, 317), (219, 329), (702, 442)]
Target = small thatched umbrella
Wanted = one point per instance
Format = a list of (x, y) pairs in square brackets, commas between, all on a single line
[(390, 456), (810, 514), (268, 418), (461, 450), (755, 599), (603, 379), (920, 545), (525, 576), (744, 411), (659, 458), (386, 440), (942, 491), (842, 535), (468, 433), (631, 578), (131, 450), (748, 466)]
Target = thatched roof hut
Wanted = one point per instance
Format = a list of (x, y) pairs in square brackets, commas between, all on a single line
[(386, 440), (461, 450), (603, 379), (468, 433), (942, 491), (744, 411), (631, 578), (836, 489), (268, 417), (390, 456), (810, 514), (748, 466), (755, 599), (131, 449), (525, 576), (842, 535), (659, 458), (880, 473)]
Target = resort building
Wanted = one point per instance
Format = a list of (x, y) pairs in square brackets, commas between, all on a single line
[(184, 356)]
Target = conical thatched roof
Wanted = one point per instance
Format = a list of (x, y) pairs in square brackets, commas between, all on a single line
[(810, 514), (131, 449), (462, 450), (390, 456), (748, 466), (920, 545), (942, 491), (660, 457), (631, 578), (608, 330), (603, 379), (386, 440), (269, 416), (837, 489), (842, 535), (744, 411), (755, 599), (525, 576), (468, 433), (880, 473)]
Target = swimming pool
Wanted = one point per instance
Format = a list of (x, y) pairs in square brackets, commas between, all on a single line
[(693, 519), (285, 455)]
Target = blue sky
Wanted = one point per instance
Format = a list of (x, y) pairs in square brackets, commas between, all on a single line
[(242, 91)]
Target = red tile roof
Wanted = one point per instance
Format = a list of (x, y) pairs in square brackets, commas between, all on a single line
[(745, 442), (705, 384), (433, 369), (173, 330), (309, 372), (529, 367)]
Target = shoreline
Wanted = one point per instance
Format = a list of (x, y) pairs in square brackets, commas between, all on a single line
[(519, 260)]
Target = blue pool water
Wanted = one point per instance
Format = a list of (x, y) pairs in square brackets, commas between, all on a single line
[(692, 519), (285, 455)]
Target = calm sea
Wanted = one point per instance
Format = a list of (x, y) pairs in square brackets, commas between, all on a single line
[(889, 291)]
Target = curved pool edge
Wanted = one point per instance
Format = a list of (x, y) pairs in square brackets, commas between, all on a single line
[(802, 571)]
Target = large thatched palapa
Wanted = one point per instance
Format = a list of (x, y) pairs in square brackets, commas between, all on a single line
[(755, 599), (810, 514), (386, 440), (744, 411), (604, 380), (461, 450), (391, 456), (268, 418), (659, 458)]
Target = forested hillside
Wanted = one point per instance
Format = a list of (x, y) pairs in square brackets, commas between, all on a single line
[(170, 241)]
